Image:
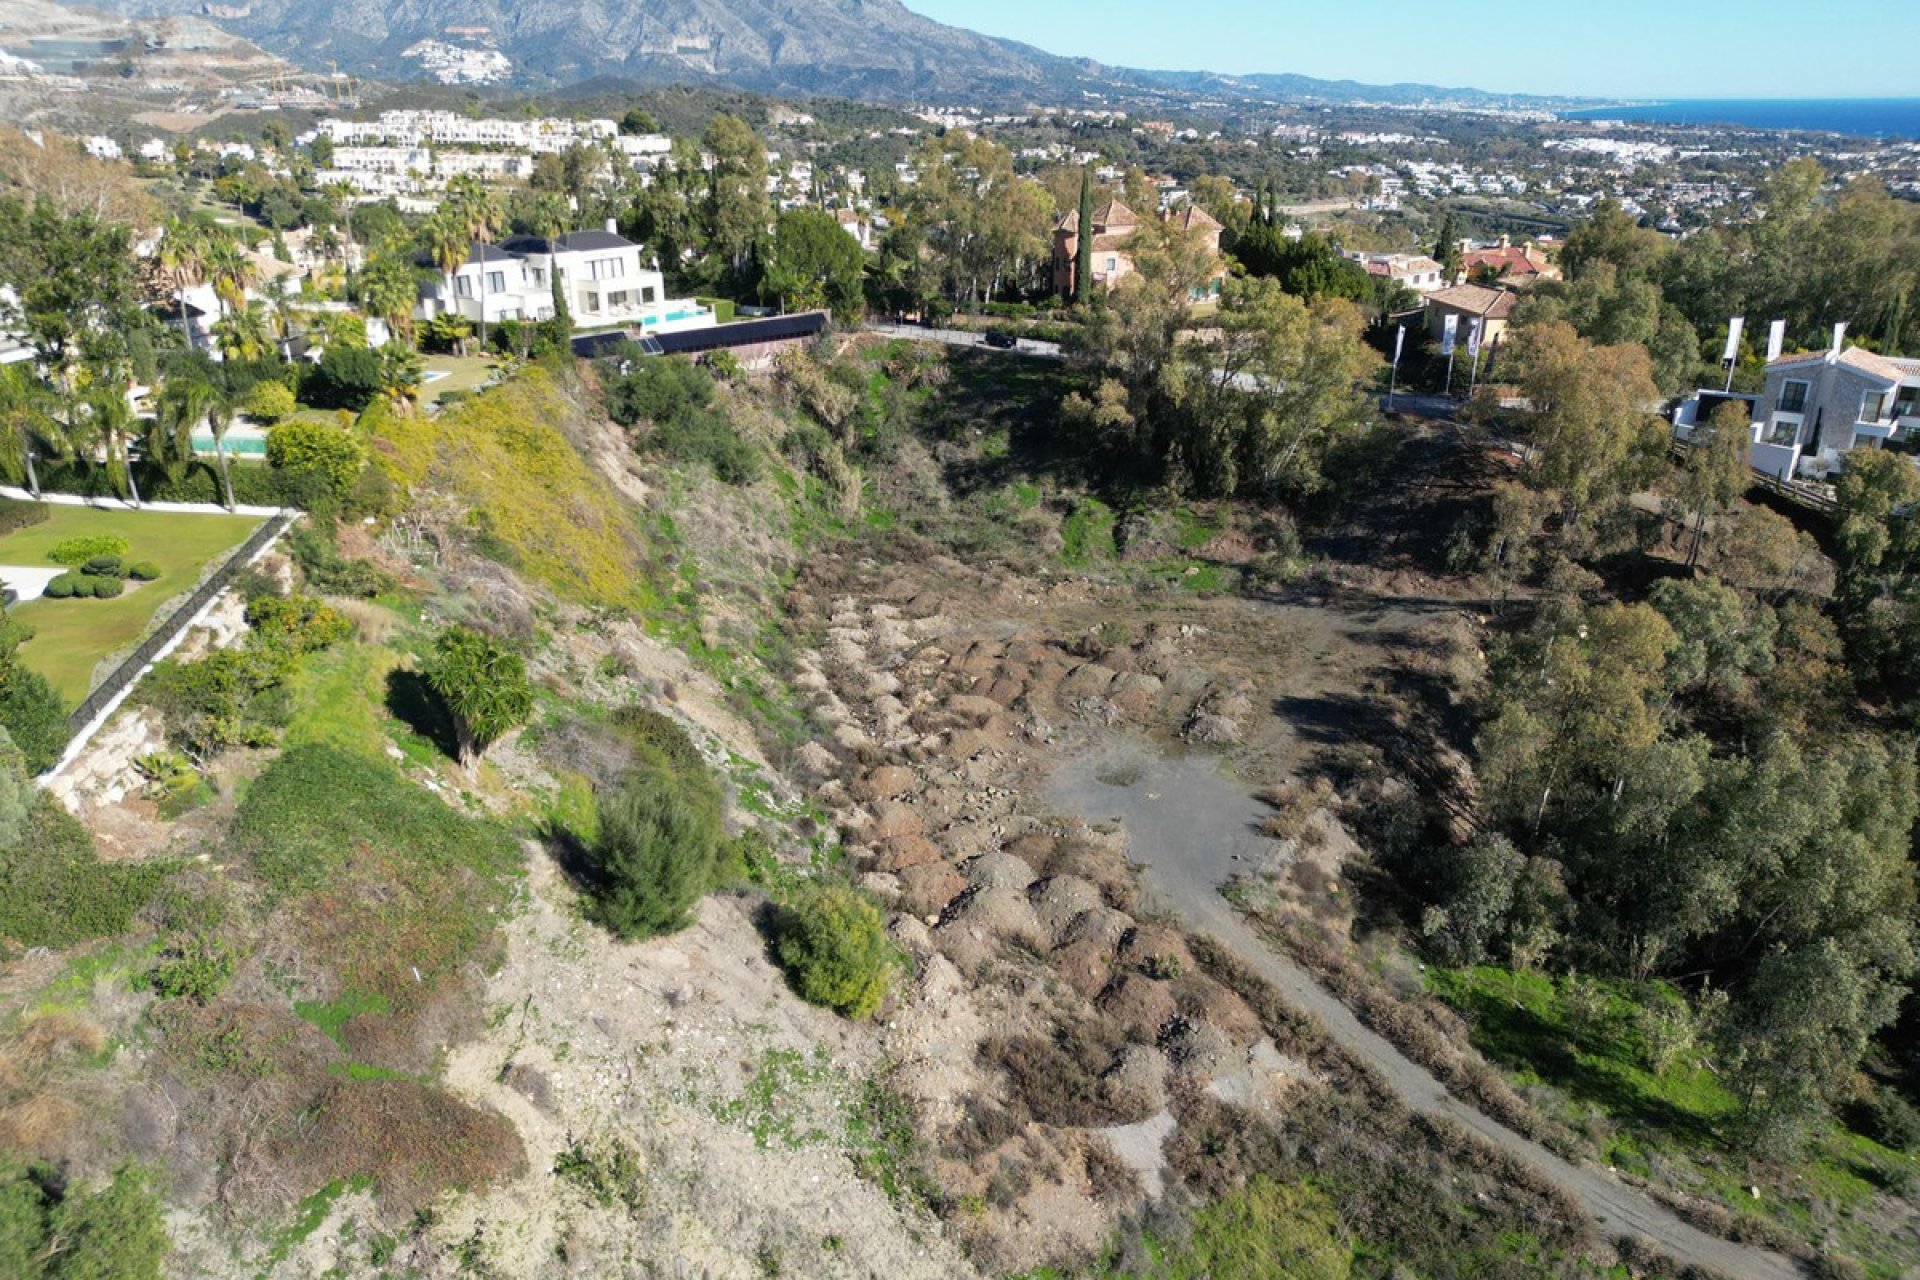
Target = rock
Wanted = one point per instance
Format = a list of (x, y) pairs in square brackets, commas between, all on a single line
[(1102, 925), (1002, 913), (892, 819), (882, 885), (885, 783), (1060, 900), (1156, 950), (1090, 680), (973, 708), (927, 888), (998, 871), (1138, 1079), (1140, 1005), (1086, 966), (901, 852)]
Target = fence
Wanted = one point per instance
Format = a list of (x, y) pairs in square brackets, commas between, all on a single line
[(178, 621)]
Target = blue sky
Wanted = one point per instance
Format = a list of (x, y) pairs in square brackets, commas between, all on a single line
[(1612, 48)]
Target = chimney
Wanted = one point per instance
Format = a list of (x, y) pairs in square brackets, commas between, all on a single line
[(613, 228), (1506, 242)]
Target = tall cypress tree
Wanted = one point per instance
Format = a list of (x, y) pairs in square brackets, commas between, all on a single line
[(1083, 250)]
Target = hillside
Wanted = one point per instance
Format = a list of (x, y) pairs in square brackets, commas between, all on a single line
[(856, 48)]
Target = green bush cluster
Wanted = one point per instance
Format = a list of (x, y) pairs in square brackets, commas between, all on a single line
[(74, 552), (54, 889), (317, 459), (230, 698), (32, 714), (101, 576), (197, 481), (832, 942), (297, 624), (194, 968), (676, 397), (52, 1229)]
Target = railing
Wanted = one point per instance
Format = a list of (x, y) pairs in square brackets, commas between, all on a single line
[(179, 620)]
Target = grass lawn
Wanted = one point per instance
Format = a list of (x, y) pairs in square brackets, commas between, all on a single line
[(70, 637), (462, 373)]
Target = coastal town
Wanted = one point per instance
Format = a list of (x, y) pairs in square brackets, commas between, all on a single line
[(879, 653)]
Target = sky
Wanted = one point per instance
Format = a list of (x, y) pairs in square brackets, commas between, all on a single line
[(1608, 49)]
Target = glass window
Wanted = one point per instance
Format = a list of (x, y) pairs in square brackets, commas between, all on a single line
[(1873, 406), (496, 282), (1906, 402), (463, 286), (1783, 433), (1793, 397)]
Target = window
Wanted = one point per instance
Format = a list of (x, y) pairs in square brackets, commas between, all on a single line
[(606, 269), (593, 302), (647, 294), (539, 276), (463, 286), (1793, 397), (1873, 406), (617, 299), (496, 282), (1906, 402), (1112, 263), (1783, 433)]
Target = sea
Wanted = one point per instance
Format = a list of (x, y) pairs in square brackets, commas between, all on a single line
[(1856, 117)]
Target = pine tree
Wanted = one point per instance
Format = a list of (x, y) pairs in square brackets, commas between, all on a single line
[(1083, 251), (1446, 250)]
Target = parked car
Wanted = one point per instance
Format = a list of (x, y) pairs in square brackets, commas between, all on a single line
[(1002, 339)]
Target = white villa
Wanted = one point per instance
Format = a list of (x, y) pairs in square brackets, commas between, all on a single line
[(1819, 406), (601, 274)]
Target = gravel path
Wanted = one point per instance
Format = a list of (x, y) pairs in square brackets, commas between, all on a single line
[(1193, 827)]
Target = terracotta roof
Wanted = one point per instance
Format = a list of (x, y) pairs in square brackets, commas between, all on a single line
[(1193, 217), (1102, 244), (1494, 304), (1512, 261)]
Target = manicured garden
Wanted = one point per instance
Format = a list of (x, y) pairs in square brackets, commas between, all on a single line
[(72, 634)]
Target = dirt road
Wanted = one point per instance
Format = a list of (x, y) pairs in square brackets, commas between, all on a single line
[(1193, 827)]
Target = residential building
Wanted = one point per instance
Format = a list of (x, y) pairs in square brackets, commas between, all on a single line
[(602, 275), (1820, 406), (1492, 307), (1413, 270), (1114, 226), (1515, 266)]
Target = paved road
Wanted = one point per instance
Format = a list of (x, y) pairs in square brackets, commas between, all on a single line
[(1193, 828)]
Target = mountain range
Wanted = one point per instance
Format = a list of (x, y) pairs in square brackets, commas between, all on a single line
[(868, 49)]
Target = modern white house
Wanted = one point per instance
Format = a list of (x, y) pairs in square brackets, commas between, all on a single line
[(1820, 406), (606, 282)]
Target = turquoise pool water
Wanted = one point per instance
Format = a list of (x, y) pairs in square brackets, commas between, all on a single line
[(237, 447)]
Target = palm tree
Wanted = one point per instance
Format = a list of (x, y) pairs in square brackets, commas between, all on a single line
[(183, 258), (109, 420), (342, 193), (474, 210), (230, 271), (23, 411), (448, 245), (198, 390), (387, 290), (400, 371), (243, 334)]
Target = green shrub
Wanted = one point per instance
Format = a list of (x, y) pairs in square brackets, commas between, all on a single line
[(270, 401), (107, 588), (62, 587), (16, 515), (1266, 1228), (832, 942), (54, 889), (298, 624), (230, 698), (105, 567), (53, 1229), (346, 378), (74, 552), (1892, 1121), (196, 969), (655, 854), (143, 571), (318, 454), (660, 738), (32, 712)]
